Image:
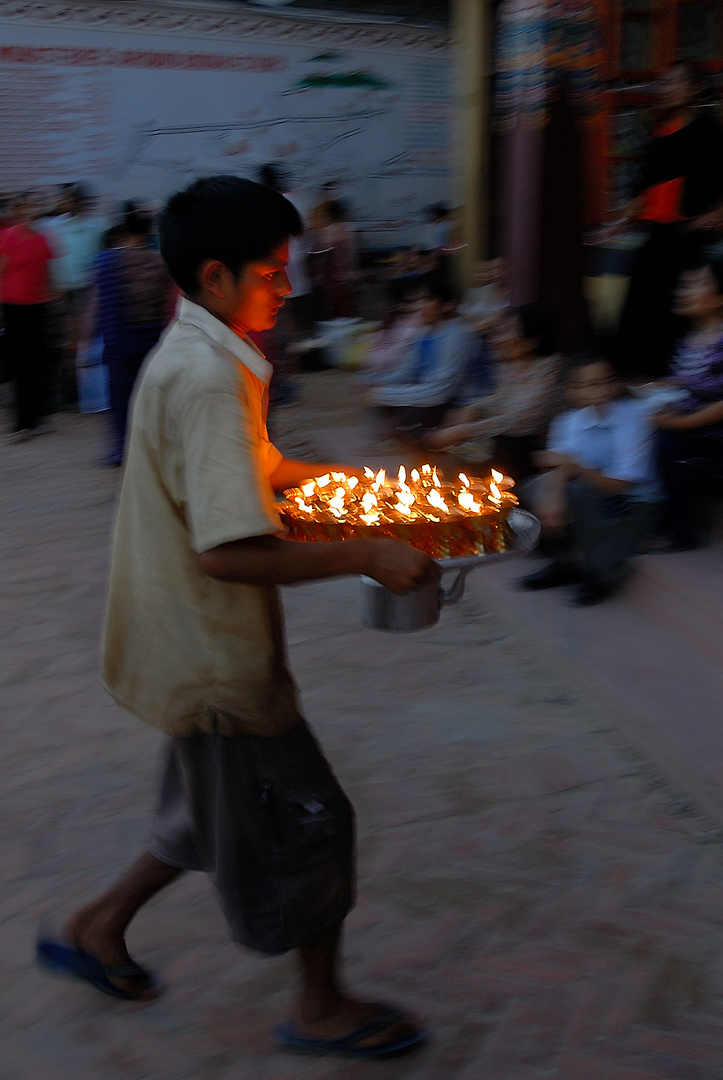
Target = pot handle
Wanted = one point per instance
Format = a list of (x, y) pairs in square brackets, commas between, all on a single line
[(456, 589)]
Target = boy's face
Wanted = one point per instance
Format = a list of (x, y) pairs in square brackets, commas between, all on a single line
[(593, 384), (251, 301)]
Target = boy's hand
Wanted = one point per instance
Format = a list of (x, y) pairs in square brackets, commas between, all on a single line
[(400, 567)]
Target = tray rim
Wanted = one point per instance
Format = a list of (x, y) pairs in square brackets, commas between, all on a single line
[(522, 546)]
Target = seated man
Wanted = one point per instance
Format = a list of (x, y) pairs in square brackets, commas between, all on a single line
[(506, 427), (390, 345), (426, 384), (598, 498)]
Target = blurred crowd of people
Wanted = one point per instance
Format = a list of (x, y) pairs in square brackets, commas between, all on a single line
[(85, 297), (77, 288), (604, 459), (612, 449), (608, 448)]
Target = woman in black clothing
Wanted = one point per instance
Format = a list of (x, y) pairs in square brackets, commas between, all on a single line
[(679, 200)]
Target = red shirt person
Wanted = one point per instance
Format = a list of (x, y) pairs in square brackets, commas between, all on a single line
[(25, 288)]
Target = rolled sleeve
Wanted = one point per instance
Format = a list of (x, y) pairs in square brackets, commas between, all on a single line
[(228, 496)]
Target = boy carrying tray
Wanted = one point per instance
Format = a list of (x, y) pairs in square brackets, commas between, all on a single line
[(194, 643)]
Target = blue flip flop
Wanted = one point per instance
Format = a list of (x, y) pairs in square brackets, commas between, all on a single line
[(63, 958), (288, 1036)]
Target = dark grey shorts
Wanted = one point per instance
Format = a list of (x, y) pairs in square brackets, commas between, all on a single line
[(267, 819)]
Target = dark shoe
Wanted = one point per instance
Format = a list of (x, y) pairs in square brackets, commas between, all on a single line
[(287, 1035), (550, 577), (63, 958), (590, 592)]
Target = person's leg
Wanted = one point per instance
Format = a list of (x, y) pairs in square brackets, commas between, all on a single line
[(122, 376), (648, 326), (14, 348), (276, 833), (116, 412), (36, 362), (24, 328), (324, 1009), (674, 451), (607, 532), (540, 495), (99, 927)]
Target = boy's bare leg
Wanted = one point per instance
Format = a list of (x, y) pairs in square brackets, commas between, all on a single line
[(325, 1010), (99, 927)]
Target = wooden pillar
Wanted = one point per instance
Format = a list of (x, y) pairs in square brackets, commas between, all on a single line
[(471, 34)]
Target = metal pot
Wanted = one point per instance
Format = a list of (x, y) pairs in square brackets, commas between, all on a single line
[(381, 609)]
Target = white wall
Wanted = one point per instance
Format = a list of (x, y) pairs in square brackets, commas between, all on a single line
[(139, 98)]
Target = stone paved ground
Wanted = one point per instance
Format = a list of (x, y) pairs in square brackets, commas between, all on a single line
[(527, 884)]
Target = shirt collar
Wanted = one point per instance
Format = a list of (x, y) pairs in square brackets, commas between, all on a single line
[(241, 348), (591, 418)]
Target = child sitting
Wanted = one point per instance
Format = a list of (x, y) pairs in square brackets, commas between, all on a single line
[(506, 427), (690, 435), (599, 496), (426, 384)]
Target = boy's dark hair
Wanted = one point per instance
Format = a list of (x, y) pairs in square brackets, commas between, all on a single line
[(226, 218), (438, 212), (273, 176), (336, 210), (136, 220), (439, 288), (114, 236)]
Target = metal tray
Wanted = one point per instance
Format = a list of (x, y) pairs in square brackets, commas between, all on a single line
[(527, 530)]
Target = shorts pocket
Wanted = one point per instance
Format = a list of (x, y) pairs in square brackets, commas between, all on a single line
[(306, 825)]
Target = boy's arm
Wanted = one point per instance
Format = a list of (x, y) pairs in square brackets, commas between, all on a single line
[(570, 469), (288, 473), (671, 421), (269, 560)]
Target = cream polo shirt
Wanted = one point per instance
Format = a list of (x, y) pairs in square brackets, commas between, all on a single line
[(181, 650)]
